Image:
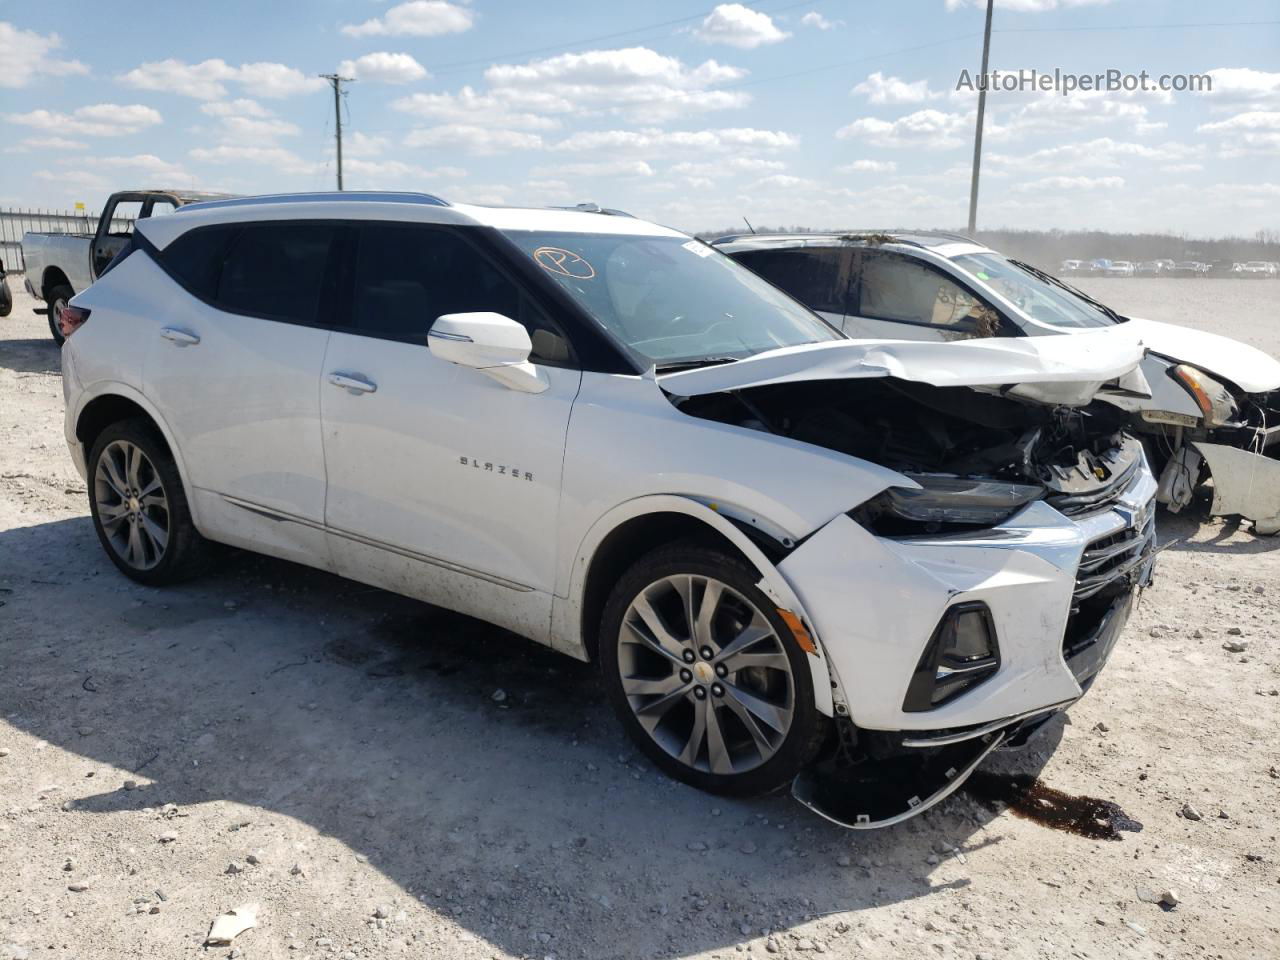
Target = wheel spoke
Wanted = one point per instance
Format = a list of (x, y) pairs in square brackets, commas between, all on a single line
[(775, 660), (111, 473), (711, 595), (112, 512), (651, 714), (133, 461), (133, 550), (717, 752), (153, 487), (697, 733), (157, 534), (685, 586), (777, 717), (757, 630), (650, 686), (758, 736), (659, 637)]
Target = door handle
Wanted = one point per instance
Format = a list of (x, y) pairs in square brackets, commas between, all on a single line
[(353, 383), (181, 337)]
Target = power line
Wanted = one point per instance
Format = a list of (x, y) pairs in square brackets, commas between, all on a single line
[(1140, 26)]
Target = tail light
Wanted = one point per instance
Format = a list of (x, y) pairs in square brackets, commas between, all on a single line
[(72, 319)]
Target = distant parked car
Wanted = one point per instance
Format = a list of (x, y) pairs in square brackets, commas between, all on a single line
[(1258, 270), (1099, 266), (60, 265), (1070, 267), (1190, 268), (1119, 268), (1155, 268)]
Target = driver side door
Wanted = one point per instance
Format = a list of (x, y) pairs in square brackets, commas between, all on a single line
[(443, 484)]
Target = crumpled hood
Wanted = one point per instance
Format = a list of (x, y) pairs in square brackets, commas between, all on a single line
[(1050, 370), (1249, 368)]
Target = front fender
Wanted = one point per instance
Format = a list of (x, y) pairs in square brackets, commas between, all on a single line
[(566, 615)]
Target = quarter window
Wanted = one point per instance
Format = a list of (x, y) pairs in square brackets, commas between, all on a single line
[(275, 270), (817, 278), (407, 276), (195, 258)]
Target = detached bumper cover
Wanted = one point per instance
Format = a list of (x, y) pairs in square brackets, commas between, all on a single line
[(877, 780), (1244, 483)]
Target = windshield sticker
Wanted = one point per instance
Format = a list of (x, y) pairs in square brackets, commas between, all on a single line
[(701, 249), (564, 262)]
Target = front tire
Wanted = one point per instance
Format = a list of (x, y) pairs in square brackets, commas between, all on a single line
[(58, 298), (139, 508), (706, 677)]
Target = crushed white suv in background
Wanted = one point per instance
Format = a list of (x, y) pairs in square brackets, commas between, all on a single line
[(854, 566), (1214, 406)]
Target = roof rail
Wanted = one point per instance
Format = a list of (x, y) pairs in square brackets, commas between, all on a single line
[(348, 196), (594, 208)]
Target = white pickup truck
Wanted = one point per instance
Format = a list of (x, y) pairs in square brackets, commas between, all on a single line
[(60, 265)]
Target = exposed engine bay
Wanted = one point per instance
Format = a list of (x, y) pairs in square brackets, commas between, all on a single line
[(1077, 454)]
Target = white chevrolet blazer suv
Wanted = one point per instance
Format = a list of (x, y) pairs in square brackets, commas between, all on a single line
[(852, 566)]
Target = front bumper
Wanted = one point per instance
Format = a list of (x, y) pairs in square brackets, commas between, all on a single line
[(874, 779)]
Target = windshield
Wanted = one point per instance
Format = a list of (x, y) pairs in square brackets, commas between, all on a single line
[(672, 300), (1036, 298)]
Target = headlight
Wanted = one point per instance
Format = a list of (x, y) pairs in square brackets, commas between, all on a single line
[(943, 502), (1216, 404)]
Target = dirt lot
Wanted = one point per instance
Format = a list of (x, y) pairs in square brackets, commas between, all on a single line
[(341, 757)]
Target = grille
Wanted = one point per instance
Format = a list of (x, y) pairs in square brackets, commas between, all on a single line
[(1109, 560)]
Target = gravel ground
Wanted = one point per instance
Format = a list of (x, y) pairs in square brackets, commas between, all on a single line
[(342, 758)]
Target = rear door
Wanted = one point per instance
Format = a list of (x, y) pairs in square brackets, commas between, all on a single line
[(442, 483), (903, 298), (235, 370)]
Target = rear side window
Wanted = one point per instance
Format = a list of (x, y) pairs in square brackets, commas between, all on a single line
[(408, 275), (817, 278), (196, 257), (275, 270), (893, 287)]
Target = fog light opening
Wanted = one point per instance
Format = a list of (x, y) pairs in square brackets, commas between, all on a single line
[(962, 653)]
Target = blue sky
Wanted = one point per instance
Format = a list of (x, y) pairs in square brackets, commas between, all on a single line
[(820, 113)]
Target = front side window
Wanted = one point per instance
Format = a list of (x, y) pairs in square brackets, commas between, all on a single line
[(275, 270), (408, 275), (671, 300), (893, 287), (1036, 298), (123, 217)]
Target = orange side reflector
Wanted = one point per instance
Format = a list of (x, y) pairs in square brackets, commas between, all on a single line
[(798, 631)]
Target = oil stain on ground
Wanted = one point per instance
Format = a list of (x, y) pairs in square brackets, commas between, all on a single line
[(1027, 797)]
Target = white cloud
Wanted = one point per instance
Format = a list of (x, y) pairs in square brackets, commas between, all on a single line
[(1069, 183), (737, 26), (1243, 122), (207, 80), (475, 109), (709, 170), (608, 168), (384, 68), (634, 78), (653, 139), (98, 120), (28, 55), (1101, 152), (248, 120), (242, 107), (868, 166), (1254, 131), (783, 180), (281, 160), (30, 144), (160, 172), (816, 20), (878, 88), (357, 144), (482, 141), (930, 129), (1235, 85), (419, 18), (394, 174)]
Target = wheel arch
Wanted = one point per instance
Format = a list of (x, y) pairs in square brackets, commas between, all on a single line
[(114, 402), (52, 277), (633, 528)]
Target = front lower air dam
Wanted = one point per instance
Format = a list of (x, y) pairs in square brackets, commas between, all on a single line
[(880, 793)]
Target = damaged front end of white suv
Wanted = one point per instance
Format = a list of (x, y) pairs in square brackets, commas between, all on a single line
[(991, 583)]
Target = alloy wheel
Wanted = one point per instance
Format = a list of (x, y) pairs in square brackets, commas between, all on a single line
[(131, 504), (705, 674)]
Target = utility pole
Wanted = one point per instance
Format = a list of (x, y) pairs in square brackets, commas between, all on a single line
[(336, 81), (977, 135)]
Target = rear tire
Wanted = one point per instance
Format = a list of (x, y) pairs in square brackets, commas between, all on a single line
[(6, 298), (58, 298), (724, 703), (139, 507)]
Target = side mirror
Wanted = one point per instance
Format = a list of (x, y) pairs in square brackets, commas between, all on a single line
[(491, 343)]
